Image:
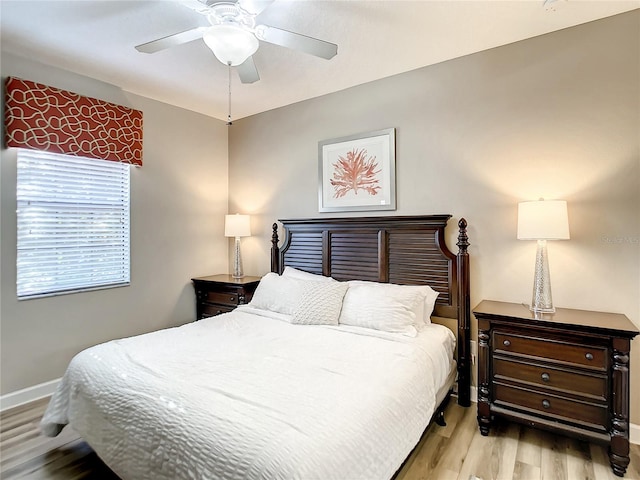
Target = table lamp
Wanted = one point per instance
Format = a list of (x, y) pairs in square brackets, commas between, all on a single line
[(542, 220), (237, 226)]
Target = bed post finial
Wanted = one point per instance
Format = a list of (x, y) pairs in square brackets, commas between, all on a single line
[(464, 317), (275, 250), (463, 240)]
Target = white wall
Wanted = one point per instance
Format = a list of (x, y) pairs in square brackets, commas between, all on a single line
[(556, 116), (178, 201)]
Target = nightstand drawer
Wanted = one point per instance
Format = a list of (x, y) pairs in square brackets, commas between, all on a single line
[(218, 294), (223, 298), (593, 385), (568, 353), (551, 405), (213, 310)]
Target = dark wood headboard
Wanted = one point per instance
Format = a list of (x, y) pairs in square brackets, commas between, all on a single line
[(407, 250)]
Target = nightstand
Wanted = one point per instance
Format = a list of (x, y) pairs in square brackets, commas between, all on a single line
[(218, 294), (567, 372)]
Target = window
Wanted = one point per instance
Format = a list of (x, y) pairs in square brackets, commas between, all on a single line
[(73, 224)]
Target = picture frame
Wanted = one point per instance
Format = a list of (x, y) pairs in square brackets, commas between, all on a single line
[(357, 172)]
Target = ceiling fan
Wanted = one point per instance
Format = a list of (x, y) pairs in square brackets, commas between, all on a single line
[(233, 35)]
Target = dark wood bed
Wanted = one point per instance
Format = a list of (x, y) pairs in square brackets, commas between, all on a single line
[(406, 250), (235, 385)]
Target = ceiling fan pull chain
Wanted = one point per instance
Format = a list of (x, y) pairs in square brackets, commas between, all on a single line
[(229, 122)]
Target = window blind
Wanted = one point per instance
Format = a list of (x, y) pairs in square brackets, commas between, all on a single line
[(72, 223)]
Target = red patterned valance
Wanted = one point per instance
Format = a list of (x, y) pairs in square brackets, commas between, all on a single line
[(39, 117)]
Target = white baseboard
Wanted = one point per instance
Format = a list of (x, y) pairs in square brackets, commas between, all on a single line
[(27, 395), (634, 433)]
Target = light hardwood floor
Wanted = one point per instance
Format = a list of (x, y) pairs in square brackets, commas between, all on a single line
[(454, 452)]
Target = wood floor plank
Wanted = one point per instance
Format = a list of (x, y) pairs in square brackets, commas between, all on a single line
[(553, 459), (494, 456), (454, 415), (12, 423), (35, 447), (508, 445), (633, 471), (480, 459), (524, 471), (530, 447), (579, 464), (17, 414), (452, 457), (53, 461), (427, 457)]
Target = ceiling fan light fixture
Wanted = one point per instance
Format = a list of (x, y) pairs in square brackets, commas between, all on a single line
[(231, 44)]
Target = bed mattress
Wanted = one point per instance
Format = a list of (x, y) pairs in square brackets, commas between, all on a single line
[(245, 395)]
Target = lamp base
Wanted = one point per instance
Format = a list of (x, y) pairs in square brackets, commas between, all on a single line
[(535, 309), (237, 261), (541, 301)]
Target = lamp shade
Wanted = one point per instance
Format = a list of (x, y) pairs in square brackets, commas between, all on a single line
[(543, 220), (230, 44), (237, 225)]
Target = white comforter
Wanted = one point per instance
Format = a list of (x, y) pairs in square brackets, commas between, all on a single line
[(243, 396)]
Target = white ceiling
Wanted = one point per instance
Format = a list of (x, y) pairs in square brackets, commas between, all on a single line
[(376, 39)]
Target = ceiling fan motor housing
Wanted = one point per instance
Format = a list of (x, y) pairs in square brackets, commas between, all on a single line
[(226, 13)]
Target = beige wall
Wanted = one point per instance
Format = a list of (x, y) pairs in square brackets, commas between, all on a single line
[(556, 116), (178, 202)]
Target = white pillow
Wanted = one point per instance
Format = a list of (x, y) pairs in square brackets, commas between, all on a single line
[(278, 294), (320, 304), (302, 275), (382, 307), (422, 310), (429, 303)]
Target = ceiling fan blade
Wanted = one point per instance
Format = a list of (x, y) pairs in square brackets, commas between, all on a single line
[(248, 72), (196, 5), (171, 40), (284, 38), (254, 7)]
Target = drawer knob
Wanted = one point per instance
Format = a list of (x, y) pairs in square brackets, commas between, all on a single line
[(506, 343), (589, 356), (545, 377), (232, 299), (546, 403)]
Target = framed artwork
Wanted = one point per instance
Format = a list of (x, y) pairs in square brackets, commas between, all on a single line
[(358, 173)]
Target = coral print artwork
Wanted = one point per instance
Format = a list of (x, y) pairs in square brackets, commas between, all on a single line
[(357, 172)]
